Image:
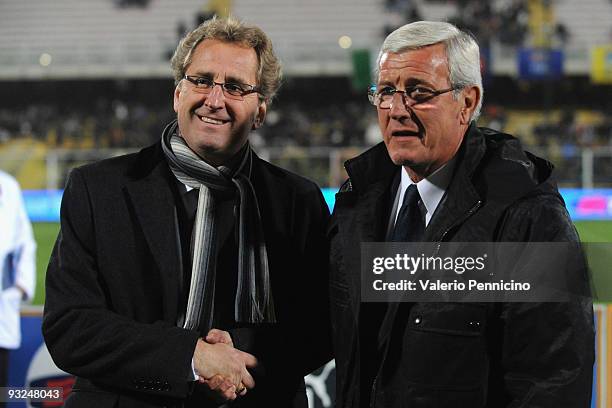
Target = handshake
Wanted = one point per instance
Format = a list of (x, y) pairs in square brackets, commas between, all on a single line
[(221, 367)]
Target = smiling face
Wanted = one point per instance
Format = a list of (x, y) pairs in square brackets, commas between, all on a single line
[(213, 126), (424, 136)]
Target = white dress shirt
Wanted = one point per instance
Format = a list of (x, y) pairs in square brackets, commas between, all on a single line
[(431, 189)]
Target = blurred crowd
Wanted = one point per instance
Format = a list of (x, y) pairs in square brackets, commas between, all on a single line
[(113, 124), (508, 24), (131, 114), (313, 141), (120, 124)]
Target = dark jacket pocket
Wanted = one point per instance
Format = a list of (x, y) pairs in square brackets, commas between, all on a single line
[(439, 345)]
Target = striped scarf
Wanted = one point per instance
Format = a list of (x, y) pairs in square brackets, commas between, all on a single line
[(253, 302)]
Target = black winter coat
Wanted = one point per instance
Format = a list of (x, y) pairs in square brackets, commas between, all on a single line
[(520, 354), (113, 288)]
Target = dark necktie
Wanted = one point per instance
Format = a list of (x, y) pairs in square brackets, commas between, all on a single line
[(410, 225)]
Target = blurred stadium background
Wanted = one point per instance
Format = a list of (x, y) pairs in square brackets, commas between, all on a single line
[(85, 80)]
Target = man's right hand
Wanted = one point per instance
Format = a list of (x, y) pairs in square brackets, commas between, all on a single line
[(223, 360)]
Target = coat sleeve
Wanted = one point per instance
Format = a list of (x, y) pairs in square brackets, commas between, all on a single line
[(83, 334), (314, 340), (547, 349)]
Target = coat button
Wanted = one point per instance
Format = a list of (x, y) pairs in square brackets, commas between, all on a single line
[(417, 320), (474, 324)]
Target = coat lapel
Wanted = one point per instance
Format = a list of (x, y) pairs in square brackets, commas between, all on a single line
[(274, 197), (461, 196), (156, 211)]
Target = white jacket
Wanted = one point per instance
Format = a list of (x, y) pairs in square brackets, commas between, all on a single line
[(17, 260)]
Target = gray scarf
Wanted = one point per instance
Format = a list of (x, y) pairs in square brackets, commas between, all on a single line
[(254, 302)]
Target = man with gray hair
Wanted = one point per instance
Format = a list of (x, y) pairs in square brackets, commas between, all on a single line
[(437, 177), (193, 273)]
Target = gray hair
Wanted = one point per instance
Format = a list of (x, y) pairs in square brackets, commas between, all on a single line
[(462, 51)]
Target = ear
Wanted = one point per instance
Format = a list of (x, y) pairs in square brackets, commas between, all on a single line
[(177, 94), (260, 115), (470, 97)]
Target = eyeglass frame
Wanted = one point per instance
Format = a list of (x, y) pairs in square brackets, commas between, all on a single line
[(372, 95), (251, 88)]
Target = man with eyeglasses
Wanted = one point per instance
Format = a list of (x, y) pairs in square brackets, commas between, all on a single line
[(193, 273), (439, 178)]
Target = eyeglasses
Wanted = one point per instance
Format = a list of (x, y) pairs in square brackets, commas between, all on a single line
[(232, 90), (383, 98)]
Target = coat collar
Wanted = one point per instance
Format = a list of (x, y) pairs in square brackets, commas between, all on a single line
[(371, 175), (375, 165), (461, 197), (371, 167)]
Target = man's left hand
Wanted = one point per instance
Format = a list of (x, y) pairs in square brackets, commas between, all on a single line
[(217, 383)]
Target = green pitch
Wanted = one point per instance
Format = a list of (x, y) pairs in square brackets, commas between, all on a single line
[(595, 231), (45, 234), (600, 256), (598, 236)]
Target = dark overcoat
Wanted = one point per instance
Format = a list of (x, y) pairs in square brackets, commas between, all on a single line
[(113, 288), (461, 355)]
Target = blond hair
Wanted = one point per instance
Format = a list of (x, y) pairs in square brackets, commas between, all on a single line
[(232, 30)]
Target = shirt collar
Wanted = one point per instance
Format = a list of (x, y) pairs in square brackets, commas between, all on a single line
[(432, 188)]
